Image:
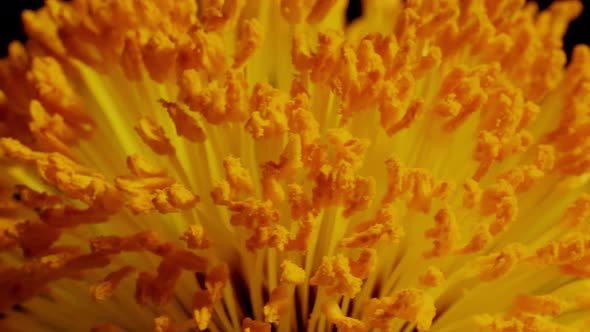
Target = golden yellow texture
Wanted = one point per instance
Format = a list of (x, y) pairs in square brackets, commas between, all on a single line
[(241, 165)]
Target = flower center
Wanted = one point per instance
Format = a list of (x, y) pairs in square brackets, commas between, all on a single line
[(232, 165)]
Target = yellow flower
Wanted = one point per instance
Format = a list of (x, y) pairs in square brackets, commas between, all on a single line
[(232, 165)]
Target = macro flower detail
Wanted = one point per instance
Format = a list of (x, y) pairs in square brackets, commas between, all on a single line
[(257, 166)]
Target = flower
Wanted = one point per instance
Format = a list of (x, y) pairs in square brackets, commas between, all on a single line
[(238, 165)]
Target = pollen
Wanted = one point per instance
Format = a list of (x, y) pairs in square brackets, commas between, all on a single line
[(409, 304), (433, 277), (292, 273), (257, 166), (335, 274)]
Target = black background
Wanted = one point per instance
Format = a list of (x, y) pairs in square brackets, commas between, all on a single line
[(11, 28)]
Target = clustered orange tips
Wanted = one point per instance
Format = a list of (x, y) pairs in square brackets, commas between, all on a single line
[(444, 234), (342, 276), (104, 289), (250, 325), (221, 100), (75, 181), (370, 233), (58, 113), (337, 182), (335, 275), (20, 284), (433, 277), (268, 116), (528, 313), (278, 305), (411, 304), (164, 324), (346, 324), (152, 288), (291, 273), (203, 301), (186, 126), (195, 237), (150, 189), (416, 186), (154, 136), (260, 217), (276, 159), (60, 212), (496, 265)]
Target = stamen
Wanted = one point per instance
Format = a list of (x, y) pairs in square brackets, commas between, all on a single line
[(335, 275), (294, 143), (291, 273), (343, 323), (249, 325), (278, 305), (106, 287), (154, 136), (433, 277), (411, 304)]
